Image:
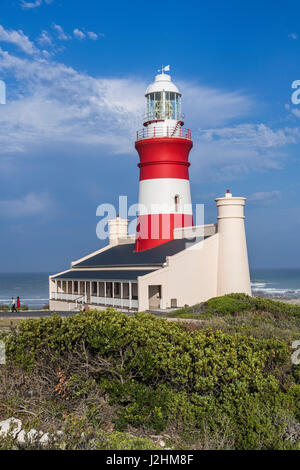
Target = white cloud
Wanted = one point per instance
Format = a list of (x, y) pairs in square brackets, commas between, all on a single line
[(227, 153), (58, 105), (255, 135), (30, 205), (79, 34), (209, 106), (60, 33), (92, 35), (27, 5), (58, 108), (45, 38), (34, 4), (293, 36), (296, 112), (265, 198), (19, 39)]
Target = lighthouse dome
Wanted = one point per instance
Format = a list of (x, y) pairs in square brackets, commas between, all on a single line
[(162, 82)]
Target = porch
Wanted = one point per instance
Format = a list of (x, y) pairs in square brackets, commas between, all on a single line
[(118, 294)]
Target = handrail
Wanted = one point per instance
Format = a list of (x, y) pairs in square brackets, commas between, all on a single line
[(174, 132)]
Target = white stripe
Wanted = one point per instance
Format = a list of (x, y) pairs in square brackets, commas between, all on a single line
[(157, 196)]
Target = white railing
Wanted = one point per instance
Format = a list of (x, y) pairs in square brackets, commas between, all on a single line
[(164, 131), (105, 301), (114, 302), (63, 296)]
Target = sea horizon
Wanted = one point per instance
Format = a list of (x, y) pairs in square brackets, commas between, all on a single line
[(33, 290)]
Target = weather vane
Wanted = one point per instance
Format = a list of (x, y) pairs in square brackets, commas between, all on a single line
[(165, 68)]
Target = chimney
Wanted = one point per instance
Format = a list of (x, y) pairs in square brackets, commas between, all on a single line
[(118, 230)]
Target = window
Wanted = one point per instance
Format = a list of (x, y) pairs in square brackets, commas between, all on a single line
[(117, 289), (176, 201), (164, 105), (109, 289)]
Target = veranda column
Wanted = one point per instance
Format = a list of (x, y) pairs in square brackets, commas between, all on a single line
[(130, 294)]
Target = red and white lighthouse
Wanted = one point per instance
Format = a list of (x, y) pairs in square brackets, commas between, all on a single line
[(163, 146)]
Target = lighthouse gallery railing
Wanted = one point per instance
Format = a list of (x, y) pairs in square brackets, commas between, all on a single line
[(176, 132)]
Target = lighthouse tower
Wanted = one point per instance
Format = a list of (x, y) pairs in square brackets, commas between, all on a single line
[(163, 146)]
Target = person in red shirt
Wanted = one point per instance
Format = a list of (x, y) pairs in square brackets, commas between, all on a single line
[(18, 303)]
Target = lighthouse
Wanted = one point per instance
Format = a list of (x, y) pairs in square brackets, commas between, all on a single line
[(163, 145), (160, 268)]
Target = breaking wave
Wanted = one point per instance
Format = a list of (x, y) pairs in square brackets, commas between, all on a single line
[(266, 288)]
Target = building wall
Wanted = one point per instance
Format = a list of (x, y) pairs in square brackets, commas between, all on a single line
[(59, 306), (190, 276)]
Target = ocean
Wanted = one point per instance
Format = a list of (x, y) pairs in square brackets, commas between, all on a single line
[(32, 288), (276, 282)]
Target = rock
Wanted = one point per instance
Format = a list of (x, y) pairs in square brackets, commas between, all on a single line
[(161, 443), (12, 425), (30, 436), (45, 438), (21, 437), (33, 435)]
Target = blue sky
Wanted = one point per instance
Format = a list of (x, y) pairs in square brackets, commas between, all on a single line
[(76, 72)]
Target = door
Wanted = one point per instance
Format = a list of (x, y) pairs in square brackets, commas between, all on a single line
[(154, 296)]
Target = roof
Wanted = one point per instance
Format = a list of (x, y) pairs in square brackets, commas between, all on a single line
[(162, 82), (121, 275), (125, 256)]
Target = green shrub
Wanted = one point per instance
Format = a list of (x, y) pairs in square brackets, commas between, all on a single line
[(158, 376), (237, 304)]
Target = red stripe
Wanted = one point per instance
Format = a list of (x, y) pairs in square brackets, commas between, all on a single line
[(164, 158), (155, 229), (155, 170)]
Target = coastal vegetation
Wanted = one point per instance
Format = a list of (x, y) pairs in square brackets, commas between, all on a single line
[(7, 308), (221, 379)]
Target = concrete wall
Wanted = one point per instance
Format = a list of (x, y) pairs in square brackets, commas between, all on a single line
[(59, 306), (190, 276)]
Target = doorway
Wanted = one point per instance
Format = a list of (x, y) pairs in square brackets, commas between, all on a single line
[(154, 296)]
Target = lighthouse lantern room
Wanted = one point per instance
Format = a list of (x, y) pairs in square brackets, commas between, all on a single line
[(163, 146)]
